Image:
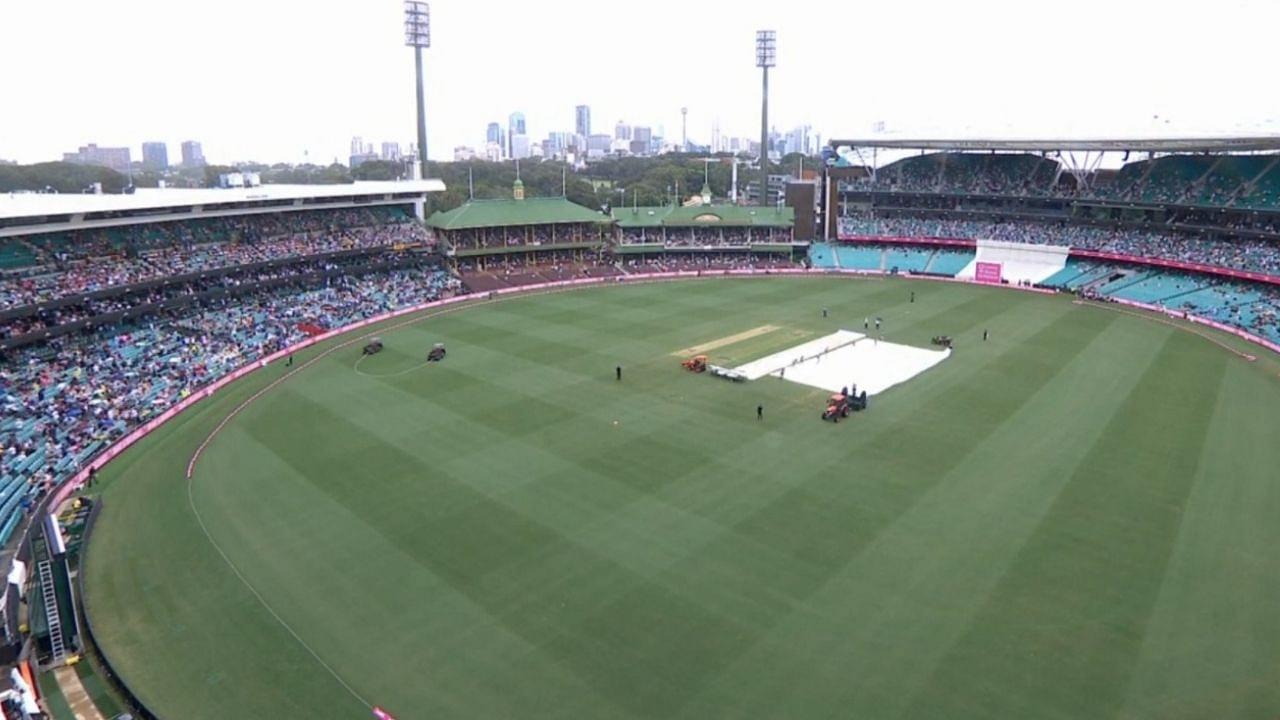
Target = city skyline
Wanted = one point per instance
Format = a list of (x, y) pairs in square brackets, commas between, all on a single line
[(294, 105)]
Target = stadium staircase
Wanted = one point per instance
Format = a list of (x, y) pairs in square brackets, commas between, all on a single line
[(49, 597)]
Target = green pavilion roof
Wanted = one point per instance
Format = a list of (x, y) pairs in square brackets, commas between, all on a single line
[(510, 213)]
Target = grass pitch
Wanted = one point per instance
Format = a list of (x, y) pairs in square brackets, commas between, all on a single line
[(1076, 519)]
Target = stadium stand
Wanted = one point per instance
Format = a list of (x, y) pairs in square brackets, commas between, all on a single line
[(861, 257), (104, 328), (1240, 254), (67, 399), (1189, 225), (88, 261)]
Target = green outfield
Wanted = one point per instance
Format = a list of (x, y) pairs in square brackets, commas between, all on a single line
[(1076, 519)]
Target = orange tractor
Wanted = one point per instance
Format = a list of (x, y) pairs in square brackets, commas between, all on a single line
[(837, 407), (841, 404), (697, 363)]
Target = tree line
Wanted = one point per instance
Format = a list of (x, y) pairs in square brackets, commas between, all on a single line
[(658, 180)]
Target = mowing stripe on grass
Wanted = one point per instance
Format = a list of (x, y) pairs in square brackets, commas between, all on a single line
[(483, 542), (1060, 635), (1221, 575)]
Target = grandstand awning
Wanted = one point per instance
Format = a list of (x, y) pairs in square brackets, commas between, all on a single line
[(476, 214), (149, 202), (1260, 143)]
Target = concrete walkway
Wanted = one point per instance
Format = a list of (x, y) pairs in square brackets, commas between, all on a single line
[(73, 690)]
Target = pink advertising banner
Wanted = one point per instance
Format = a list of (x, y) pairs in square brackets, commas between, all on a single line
[(989, 273)]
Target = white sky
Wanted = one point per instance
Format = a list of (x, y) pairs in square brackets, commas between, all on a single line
[(271, 79)]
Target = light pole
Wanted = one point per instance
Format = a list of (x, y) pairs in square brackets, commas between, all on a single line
[(417, 35), (766, 57)]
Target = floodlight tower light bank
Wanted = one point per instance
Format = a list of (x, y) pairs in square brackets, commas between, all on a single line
[(417, 35), (766, 57)]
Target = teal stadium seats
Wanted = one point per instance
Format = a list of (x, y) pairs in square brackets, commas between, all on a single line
[(1265, 193), (950, 262), (1171, 177), (1229, 175), (822, 256), (860, 257)]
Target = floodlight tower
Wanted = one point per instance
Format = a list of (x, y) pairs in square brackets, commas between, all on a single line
[(766, 57), (417, 35)]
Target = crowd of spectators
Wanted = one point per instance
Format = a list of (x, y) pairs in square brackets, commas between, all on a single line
[(499, 272), (89, 261), (509, 237), (65, 400), (90, 308), (696, 262), (705, 237), (1237, 254)]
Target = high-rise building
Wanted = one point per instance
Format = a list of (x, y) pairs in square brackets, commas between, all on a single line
[(557, 144), (622, 131), (515, 126), (519, 146), (192, 154), (462, 153), (155, 156), (391, 151), (582, 120), (598, 145), (114, 158), (496, 135)]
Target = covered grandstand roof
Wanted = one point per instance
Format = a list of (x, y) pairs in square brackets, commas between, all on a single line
[(703, 216), (146, 200), (513, 213), (1257, 143)]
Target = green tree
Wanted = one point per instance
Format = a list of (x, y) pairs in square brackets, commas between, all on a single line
[(59, 176), (378, 170)]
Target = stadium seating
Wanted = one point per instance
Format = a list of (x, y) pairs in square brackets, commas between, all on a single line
[(65, 402), (907, 259), (1170, 178), (1228, 176), (949, 262), (822, 256), (55, 265), (1265, 193), (1252, 255), (860, 257)]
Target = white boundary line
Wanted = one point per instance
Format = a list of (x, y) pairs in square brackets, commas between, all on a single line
[(190, 474)]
